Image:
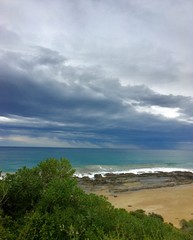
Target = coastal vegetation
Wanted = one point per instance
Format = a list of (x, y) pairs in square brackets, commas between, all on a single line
[(45, 202)]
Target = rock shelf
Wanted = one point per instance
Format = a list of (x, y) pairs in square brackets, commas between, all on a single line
[(125, 182)]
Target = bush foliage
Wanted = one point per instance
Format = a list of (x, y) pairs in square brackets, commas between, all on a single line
[(45, 203)]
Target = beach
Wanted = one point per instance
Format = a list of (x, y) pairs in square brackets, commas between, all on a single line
[(167, 194), (172, 203)]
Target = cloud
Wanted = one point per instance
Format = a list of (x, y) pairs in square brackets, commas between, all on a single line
[(8, 37), (82, 104), (103, 73)]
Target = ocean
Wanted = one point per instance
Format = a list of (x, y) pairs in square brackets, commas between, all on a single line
[(88, 162)]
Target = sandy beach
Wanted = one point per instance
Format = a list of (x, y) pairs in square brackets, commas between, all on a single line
[(167, 194), (173, 203)]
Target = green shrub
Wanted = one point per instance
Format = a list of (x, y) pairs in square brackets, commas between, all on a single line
[(187, 226)]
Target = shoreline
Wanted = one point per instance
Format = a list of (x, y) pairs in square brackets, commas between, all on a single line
[(104, 171), (172, 203), (167, 194)]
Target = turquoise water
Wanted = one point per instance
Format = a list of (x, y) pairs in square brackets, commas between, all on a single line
[(97, 160)]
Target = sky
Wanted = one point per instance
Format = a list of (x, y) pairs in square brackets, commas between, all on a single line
[(96, 73)]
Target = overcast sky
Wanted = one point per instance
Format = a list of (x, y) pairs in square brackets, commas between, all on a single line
[(96, 73)]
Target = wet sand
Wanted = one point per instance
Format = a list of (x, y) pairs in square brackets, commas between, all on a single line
[(173, 203)]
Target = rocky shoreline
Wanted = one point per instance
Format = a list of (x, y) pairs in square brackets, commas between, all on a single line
[(126, 182)]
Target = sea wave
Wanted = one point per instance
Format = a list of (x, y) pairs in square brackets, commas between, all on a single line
[(103, 170), (134, 171)]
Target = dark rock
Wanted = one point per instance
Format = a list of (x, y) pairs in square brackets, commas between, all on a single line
[(125, 182)]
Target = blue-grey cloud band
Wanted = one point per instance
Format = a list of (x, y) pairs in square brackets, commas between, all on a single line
[(96, 73)]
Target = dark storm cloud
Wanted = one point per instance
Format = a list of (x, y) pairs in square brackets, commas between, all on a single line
[(21, 94), (100, 109), (96, 73), (162, 100)]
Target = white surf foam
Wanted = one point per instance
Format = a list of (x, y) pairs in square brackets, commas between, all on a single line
[(134, 171), (2, 175)]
